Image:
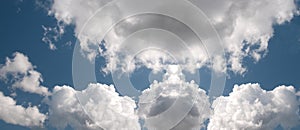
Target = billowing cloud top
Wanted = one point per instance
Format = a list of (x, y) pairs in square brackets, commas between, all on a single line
[(96, 107), (179, 104), (252, 108), (170, 104)]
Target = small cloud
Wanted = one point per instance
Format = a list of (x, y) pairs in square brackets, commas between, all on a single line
[(18, 4), (52, 35), (25, 76), (12, 113), (69, 43)]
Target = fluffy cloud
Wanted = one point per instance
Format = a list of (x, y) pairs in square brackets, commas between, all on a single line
[(250, 107), (23, 73), (245, 28), (12, 113), (18, 65), (96, 107), (166, 47), (174, 103)]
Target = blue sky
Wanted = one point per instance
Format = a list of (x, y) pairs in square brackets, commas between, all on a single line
[(21, 31)]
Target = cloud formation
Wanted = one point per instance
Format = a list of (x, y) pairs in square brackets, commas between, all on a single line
[(176, 103), (25, 77), (252, 108), (156, 41), (245, 28), (52, 34), (15, 114), (97, 107), (170, 104)]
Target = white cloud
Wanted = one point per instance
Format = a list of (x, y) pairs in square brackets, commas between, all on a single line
[(18, 65), (31, 83), (53, 34), (12, 113), (100, 107), (252, 108), (119, 55), (23, 73), (174, 103), (244, 26)]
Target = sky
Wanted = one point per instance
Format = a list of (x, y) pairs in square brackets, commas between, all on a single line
[(49, 48)]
